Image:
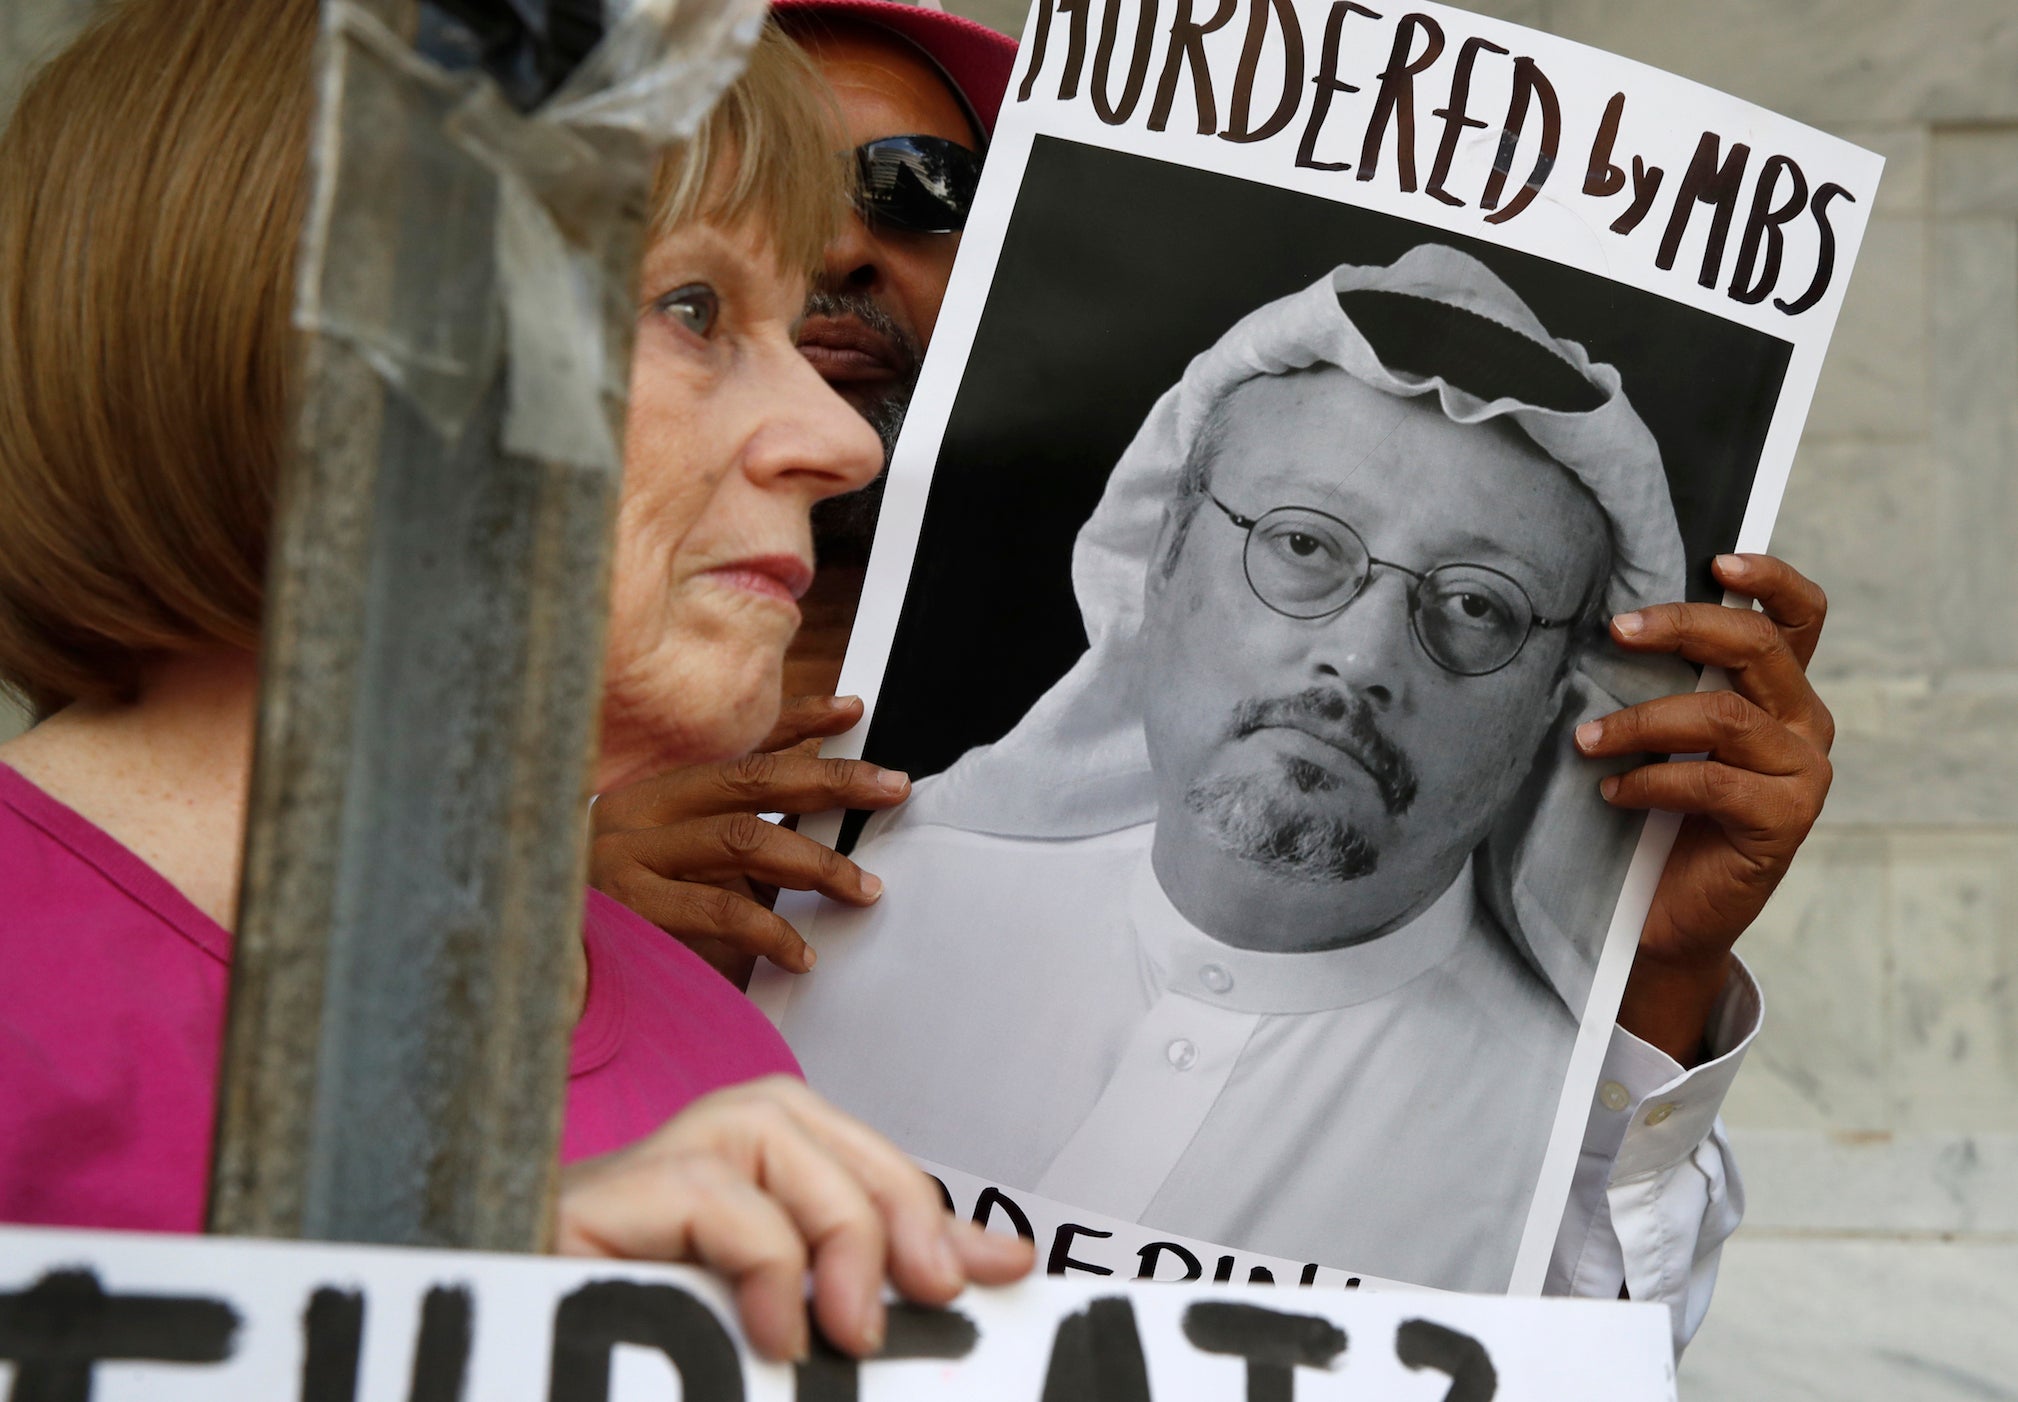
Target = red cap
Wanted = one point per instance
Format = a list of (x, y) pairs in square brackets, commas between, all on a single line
[(975, 57)]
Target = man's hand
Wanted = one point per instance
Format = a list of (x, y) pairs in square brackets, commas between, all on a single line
[(687, 851), (765, 1182), (1750, 801)]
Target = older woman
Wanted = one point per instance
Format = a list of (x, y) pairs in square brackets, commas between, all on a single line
[(150, 192)]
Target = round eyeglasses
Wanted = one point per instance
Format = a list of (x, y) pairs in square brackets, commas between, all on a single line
[(1469, 619)]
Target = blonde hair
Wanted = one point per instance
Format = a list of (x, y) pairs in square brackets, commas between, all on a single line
[(152, 187), (767, 155)]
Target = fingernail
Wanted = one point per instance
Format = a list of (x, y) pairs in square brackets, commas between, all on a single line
[(1608, 787), (873, 1326), (1589, 733), (808, 957), (842, 703), (872, 885), (1733, 564), (892, 781), (1629, 624)]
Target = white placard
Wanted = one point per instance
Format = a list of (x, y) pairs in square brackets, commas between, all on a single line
[(119, 1317), (1160, 170)]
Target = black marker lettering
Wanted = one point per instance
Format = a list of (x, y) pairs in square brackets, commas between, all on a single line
[(604, 1313), (1187, 46), (1421, 1344), (1075, 47), (1825, 257), (1061, 1251), (1223, 1272), (1328, 83), (1275, 1345), (1114, 114), (1530, 85), (1096, 1356), (992, 1198), (913, 1332), (60, 1328), (1454, 117), (1601, 177), (1039, 42), (1646, 185), (1151, 1256), (1250, 59), (442, 1354), (1309, 1276), (332, 1329), (1396, 98), (945, 1193), (1708, 180), (1763, 227)]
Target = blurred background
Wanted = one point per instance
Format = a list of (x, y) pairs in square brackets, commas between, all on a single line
[(1877, 1118)]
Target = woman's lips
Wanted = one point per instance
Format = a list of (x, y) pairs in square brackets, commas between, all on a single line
[(845, 351), (782, 577)]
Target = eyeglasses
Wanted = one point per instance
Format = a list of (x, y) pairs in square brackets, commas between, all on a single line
[(1470, 619), (924, 184)]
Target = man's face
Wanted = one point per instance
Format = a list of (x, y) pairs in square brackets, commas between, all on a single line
[(1335, 749), (871, 316)]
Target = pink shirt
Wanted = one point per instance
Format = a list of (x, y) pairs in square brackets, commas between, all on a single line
[(112, 990)]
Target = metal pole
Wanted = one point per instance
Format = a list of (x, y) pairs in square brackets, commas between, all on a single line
[(406, 965)]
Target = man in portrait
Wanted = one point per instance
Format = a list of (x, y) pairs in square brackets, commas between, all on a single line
[(1272, 923)]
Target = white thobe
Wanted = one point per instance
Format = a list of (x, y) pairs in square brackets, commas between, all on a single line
[(1036, 1012)]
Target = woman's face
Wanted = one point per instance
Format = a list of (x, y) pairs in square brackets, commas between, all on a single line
[(732, 437)]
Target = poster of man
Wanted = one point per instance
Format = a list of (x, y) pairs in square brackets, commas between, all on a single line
[(1246, 574)]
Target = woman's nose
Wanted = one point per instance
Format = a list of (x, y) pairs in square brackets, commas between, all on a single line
[(810, 433)]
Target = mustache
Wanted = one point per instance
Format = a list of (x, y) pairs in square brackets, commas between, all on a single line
[(1342, 721), (871, 313)]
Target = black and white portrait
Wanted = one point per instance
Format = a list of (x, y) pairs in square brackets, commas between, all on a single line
[(1256, 889)]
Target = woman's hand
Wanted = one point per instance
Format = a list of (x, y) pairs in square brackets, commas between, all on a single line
[(687, 851), (1751, 800), (764, 1182)]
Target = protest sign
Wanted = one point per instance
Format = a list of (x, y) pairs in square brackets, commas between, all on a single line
[(1315, 380), (114, 1316)]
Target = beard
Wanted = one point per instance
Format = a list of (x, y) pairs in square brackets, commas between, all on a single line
[(1275, 827), (1282, 823), (844, 527)]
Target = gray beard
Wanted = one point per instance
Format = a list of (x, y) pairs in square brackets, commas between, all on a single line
[(1257, 821), (844, 527)]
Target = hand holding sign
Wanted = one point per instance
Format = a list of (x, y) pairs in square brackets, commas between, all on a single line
[(686, 848), (1751, 799), (766, 1181)]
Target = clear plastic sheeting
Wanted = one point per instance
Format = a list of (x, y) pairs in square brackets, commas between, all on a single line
[(448, 230)]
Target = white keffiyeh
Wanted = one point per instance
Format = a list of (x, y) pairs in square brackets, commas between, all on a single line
[(1077, 764)]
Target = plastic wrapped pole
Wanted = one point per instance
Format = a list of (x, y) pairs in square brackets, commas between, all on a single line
[(407, 965)]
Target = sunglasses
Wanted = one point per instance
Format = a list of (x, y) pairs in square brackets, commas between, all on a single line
[(922, 184)]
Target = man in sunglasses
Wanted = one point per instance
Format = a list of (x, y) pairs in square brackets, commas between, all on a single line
[(1271, 924)]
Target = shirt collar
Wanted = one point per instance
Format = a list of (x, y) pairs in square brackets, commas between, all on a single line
[(1184, 959)]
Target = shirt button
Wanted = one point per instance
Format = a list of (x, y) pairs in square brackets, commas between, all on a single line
[(1182, 1054), (1659, 1113), (1613, 1096), (1215, 978)]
